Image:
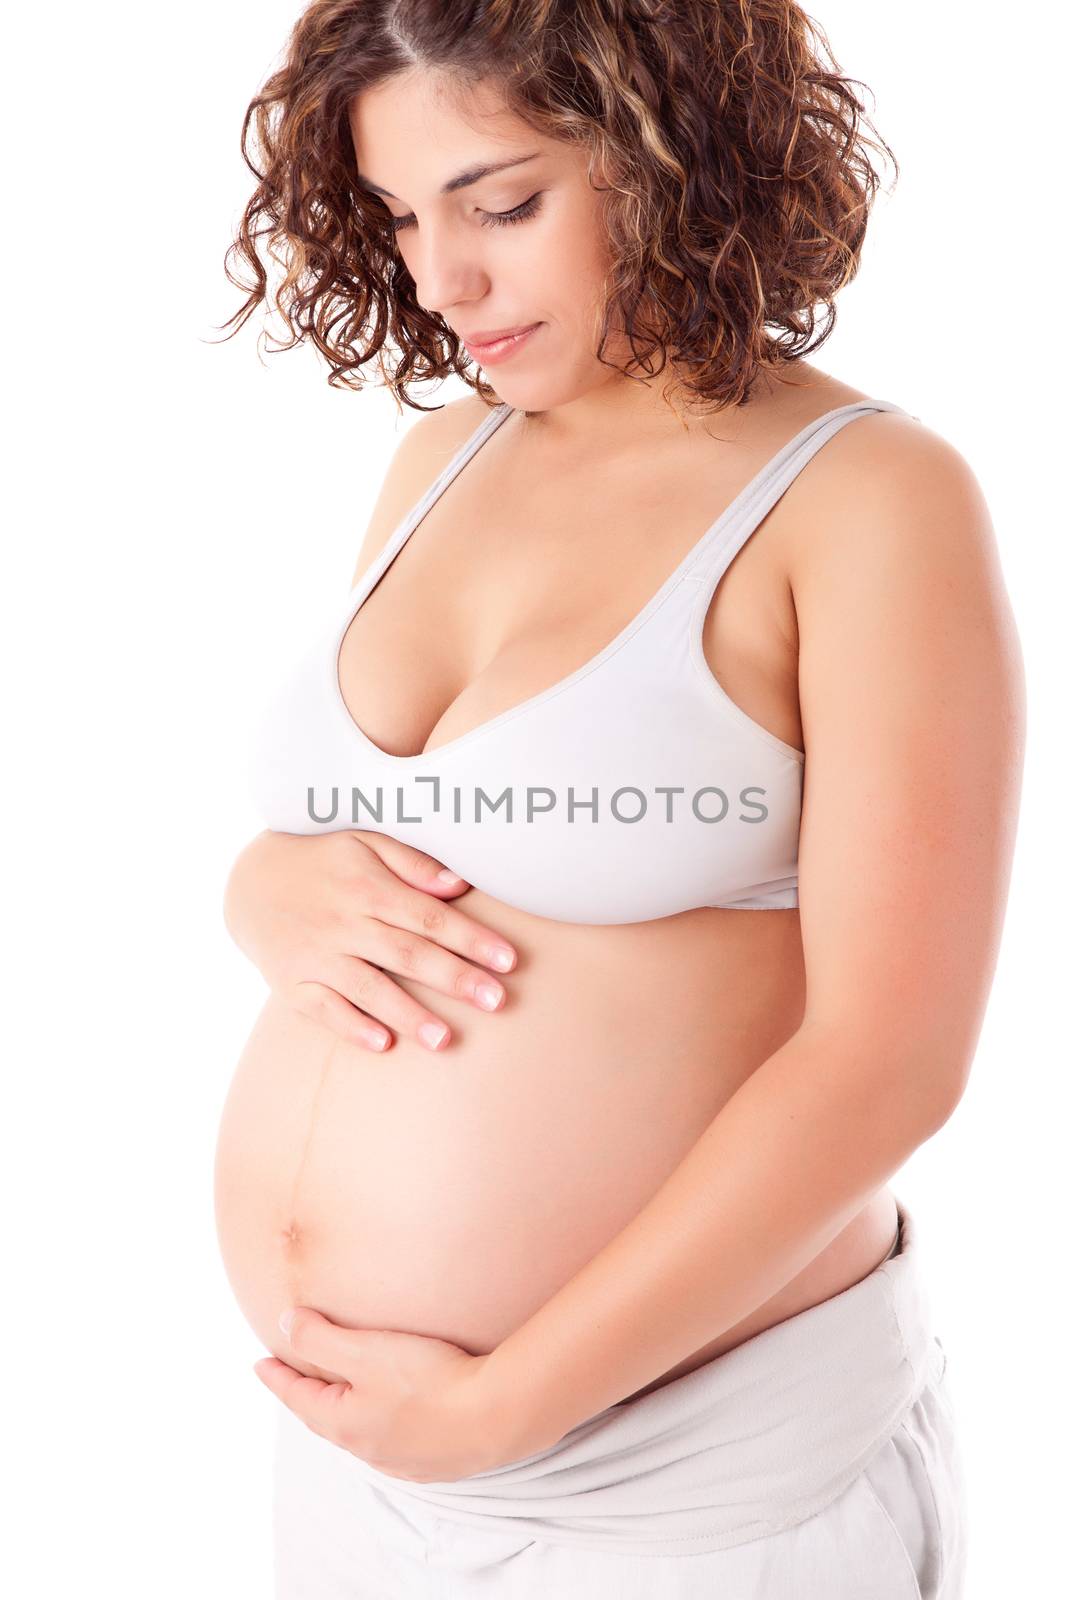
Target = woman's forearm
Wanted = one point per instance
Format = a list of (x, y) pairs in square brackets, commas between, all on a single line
[(791, 1158), (233, 892)]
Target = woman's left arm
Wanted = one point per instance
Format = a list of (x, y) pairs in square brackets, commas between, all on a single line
[(912, 702)]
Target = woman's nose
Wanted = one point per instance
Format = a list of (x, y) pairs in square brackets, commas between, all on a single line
[(446, 272)]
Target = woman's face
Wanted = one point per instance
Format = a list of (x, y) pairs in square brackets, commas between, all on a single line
[(547, 266)]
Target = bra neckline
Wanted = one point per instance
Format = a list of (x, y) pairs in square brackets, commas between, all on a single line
[(409, 524)]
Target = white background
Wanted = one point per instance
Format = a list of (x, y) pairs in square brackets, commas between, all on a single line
[(181, 512)]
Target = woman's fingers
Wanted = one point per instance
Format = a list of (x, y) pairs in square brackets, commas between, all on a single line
[(411, 955), (381, 920), (373, 993), (381, 895), (420, 870), (360, 994), (359, 997), (324, 1005), (394, 899)]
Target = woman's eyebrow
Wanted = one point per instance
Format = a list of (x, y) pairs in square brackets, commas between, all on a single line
[(462, 180)]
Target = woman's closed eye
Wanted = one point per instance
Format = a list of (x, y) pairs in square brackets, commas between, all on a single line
[(490, 219)]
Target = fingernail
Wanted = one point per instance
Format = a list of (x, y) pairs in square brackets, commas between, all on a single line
[(285, 1322), (500, 957), (448, 878), (488, 995), (431, 1033)]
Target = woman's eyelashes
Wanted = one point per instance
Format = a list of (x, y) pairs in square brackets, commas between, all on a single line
[(489, 219), (528, 208)]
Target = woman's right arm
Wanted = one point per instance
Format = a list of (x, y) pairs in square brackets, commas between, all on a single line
[(321, 915)]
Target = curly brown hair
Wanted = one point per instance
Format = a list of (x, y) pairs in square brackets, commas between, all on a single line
[(738, 180)]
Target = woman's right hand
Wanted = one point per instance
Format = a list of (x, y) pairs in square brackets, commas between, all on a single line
[(325, 917)]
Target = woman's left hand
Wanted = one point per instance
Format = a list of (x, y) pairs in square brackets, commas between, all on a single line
[(411, 1406)]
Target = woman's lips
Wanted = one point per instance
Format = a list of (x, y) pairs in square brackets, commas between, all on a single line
[(499, 348)]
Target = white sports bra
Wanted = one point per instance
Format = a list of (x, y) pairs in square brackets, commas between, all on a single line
[(632, 789)]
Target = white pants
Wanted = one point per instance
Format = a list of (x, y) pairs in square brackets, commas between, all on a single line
[(816, 1461)]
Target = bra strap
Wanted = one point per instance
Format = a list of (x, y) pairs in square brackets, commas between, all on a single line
[(407, 526), (752, 505)]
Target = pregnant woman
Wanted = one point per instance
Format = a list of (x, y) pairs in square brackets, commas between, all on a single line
[(691, 667)]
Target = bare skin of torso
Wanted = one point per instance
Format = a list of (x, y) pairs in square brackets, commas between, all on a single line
[(453, 1194)]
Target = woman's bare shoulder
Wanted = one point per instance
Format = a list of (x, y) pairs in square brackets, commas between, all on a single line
[(887, 487), (422, 452)]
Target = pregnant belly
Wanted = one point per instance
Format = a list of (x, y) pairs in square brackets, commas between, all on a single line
[(452, 1194)]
